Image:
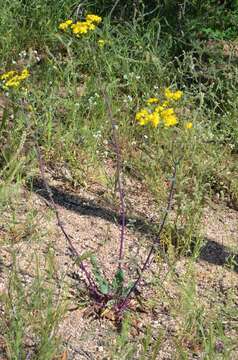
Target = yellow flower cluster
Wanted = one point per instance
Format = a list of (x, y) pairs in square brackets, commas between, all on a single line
[(81, 27), (13, 79), (173, 95), (155, 112)]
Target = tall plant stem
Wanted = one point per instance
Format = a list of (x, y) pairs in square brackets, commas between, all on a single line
[(148, 259), (119, 180)]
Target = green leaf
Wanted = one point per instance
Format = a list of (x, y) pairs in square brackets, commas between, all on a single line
[(117, 282), (119, 277), (99, 278), (104, 287)]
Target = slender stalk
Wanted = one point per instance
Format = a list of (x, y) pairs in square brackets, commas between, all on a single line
[(119, 181), (91, 284), (147, 261)]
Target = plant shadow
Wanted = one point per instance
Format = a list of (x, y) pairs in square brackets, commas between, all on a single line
[(212, 252), (218, 254), (88, 207)]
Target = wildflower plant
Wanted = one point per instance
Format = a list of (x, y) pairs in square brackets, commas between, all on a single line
[(115, 295)]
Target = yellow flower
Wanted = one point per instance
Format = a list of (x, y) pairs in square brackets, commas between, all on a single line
[(65, 25), (91, 26), (24, 75), (14, 82), (101, 43), (167, 112), (170, 95), (169, 117), (13, 79), (7, 75), (160, 108), (170, 121), (143, 117), (82, 27), (154, 118), (93, 18), (152, 101), (188, 125)]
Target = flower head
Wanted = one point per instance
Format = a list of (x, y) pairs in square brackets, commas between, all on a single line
[(158, 112), (152, 100), (7, 75), (154, 118), (169, 117), (93, 18), (143, 117), (188, 125), (65, 25), (81, 27), (173, 95), (12, 79), (170, 121)]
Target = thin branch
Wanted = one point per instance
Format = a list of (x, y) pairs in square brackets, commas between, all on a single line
[(119, 180), (75, 254), (147, 262)]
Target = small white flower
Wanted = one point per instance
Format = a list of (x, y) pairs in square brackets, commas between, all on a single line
[(22, 54)]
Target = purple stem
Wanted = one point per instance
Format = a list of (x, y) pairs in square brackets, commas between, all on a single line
[(119, 181), (92, 285), (147, 261)]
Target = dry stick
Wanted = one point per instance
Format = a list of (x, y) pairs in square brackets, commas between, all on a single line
[(73, 250), (119, 181), (148, 259)]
